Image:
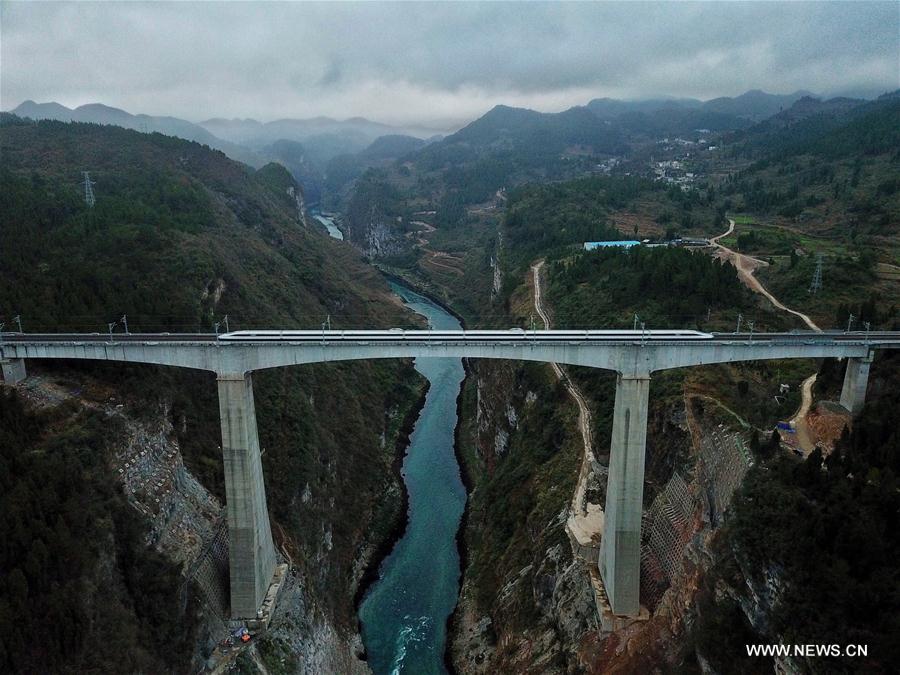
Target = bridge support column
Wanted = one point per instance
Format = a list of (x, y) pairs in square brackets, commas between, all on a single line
[(251, 551), (620, 546), (856, 379), (13, 370)]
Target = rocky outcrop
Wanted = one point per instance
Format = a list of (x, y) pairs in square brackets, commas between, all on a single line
[(379, 239), (376, 218), (296, 193)]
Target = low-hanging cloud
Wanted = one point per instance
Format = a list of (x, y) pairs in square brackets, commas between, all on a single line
[(432, 62)]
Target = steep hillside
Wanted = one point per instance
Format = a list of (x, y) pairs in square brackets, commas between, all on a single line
[(80, 591), (527, 603), (828, 569), (179, 237)]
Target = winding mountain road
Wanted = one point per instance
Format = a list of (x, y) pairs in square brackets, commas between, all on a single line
[(746, 266), (432, 257)]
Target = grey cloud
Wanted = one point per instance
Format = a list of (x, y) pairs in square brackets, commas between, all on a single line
[(409, 62)]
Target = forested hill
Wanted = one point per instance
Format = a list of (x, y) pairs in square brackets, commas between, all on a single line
[(179, 237), (170, 215), (833, 129)]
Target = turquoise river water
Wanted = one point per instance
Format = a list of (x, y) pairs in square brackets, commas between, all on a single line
[(404, 614)]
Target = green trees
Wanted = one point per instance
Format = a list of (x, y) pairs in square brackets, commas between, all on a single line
[(668, 287), (179, 237), (828, 527), (542, 218), (63, 524)]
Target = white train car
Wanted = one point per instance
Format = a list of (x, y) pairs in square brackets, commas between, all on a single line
[(514, 334)]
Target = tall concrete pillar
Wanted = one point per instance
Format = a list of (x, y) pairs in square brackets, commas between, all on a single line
[(620, 547), (13, 370), (856, 379), (251, 551)]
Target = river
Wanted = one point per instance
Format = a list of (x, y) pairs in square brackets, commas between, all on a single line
[(404, 614), (333, 230)]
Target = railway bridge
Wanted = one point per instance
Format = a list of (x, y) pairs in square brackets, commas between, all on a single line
[(634, 355)]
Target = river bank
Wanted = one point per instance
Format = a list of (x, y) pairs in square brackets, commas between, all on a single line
[(370, 573)]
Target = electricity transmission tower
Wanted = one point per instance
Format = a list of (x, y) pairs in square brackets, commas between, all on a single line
[(816, 284), (88, 189)]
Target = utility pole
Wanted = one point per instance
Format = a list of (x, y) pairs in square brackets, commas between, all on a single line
[(124, 321), (216, 328), (111, 326), (328, 321), (532, 323), (850, 323), (88, 189), (751, 324), (866, 324), (740, 318), (816, 284), (634, 328), (18, 319), (226, 324)]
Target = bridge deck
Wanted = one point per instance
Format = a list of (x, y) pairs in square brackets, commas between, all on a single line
[(632, 353), (880, 338)]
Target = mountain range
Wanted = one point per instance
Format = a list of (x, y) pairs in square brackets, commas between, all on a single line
[(253, 133), (754, 105), (358, 132), (246, 140), (315, 148)]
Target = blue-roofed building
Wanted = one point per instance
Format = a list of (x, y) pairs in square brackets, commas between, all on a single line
[(627, 243)]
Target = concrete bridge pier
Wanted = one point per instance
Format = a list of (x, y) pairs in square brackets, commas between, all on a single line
[(13, 370), (856, 379), (251, 551), (620, 546)]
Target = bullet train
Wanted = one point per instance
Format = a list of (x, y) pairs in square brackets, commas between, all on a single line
[(514, 334)]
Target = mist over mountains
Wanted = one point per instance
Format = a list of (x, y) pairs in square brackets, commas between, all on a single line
[(325, 137), (323, 151), (245, 140), (98, 113)]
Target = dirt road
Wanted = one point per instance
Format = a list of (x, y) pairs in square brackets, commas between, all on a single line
[(585, 520), (805, 440), (435, 258), (746, 266), (584, 415)]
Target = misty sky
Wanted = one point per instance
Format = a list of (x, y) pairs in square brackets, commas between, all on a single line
[(434, 63)]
